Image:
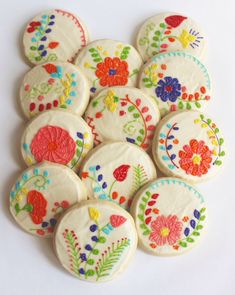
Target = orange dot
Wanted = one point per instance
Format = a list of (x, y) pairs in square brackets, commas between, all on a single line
[(160, 75), (176, 141), (190, 97), (185, 95), (203, 90), (196, 95), (161, 140), (163, 67), (153, 245)]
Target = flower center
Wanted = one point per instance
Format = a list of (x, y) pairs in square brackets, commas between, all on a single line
[(165, 232), (197, 159), (112, 72), (169, 88), (52, 146)]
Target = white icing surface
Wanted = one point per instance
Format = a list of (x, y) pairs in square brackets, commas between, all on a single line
[(43, 183), (187, 35), (190, 89), (54, 85), (59, 44), (55, 144), (123, 113), (118, 64), (165, 216), (97, 172), (192, 126), (122, 240)]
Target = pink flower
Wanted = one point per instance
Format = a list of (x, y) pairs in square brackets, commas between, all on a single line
[(54, 144), (166, 229)]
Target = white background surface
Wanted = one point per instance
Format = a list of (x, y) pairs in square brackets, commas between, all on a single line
[(27, 264)]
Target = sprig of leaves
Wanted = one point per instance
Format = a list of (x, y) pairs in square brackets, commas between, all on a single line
[(139, 178), (95, 55), (125, 52)]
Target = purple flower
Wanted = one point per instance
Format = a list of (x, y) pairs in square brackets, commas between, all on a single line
[(83, 256), (168, 89)]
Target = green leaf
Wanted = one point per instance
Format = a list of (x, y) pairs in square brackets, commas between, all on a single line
[(141, 217), (157, 33), (38, 58), (221, 141), (73, 162), (141, 206), (183, 244), (95, 103), (95, 251), (131, 108), (79, 143), (162, 25), (136, 115), (216, 130), (196, 233), (148, 85), (180, 105), (208, 121), (154, 45), (203, 217), (143, 225), (190, 240), (33, 48), (92, 50), (218, 162), (139, 138), (97, 59), (188, 106), (202, 210), (197, 104), (221, 154), (78, 153), (94, 55), (90, 261), (199, 227), (155, 38), (141, 131), (148, 194), (146, 232), (28, 208), (102, 240), (201, 116), (17, 207), (90, 272), (145, 79), (144, 199)]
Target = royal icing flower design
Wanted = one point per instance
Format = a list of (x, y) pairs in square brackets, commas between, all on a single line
[(138, 128), (168, 89), (105, 191), (33, 201), (90, 260), (110, 70), (158, 39), (54, 144), (165, 230), (39, 47), (195, 158)]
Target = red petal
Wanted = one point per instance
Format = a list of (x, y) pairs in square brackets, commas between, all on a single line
[(30, 30), (50, 68), (53, 45), (120, 173), (148, 219), (175, 20), (39, 204), (117, 220)]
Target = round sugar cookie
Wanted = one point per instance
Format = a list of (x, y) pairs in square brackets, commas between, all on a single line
[(115, 171), (109, 63), (41, 194), (56, 136), (177, 81), (123, 113), (54, 85), (95, 240), (54, 35), (169, 31), (170, 216), (188, 145)]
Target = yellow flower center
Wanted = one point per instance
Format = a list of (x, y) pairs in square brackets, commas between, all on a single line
[(186, 38), (197, 159), (165, 232)]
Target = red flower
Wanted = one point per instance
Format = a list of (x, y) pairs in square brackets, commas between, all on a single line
[(50, 68), (175, 20), (112, 72), (195, 158), (120, 173), (65, 204), (53, 45), (53, 144), (32, 26), (39, 204), (165, 229), (117, 220)]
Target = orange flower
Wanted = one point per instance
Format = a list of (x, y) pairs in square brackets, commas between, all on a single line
[(112, 72)]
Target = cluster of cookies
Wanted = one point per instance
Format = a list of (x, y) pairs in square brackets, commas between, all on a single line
[(94, 234)]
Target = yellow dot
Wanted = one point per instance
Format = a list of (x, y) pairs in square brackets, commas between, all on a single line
[(85, 135), (28, 160), (165, 231)]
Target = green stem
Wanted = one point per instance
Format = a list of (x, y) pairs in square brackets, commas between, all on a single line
[(111, 187)]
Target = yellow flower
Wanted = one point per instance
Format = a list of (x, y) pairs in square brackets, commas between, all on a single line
[(24, 190), (186, 38), (62, 99), (94, 214), (109, 101), (19, 198), (87, 65)]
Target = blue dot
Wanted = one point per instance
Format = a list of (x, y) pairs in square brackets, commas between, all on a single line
[(88, 247), (53, 221), (25, 176), (100, 177), (97, 167), (45, 224), (82, 271), (35, 171), (52, 16), (45, 173), (93, 89), (25, 146), (93, 227), (94, 239), (104, 185)]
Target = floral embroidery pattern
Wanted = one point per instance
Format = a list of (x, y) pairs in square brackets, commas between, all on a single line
[(64, 85), (139, 129), (168, 230), (110, 71), (55, 144), (90, 261), (164, 35), (195, 158), (213, 134), (107, 192), (171, 91), (40, 29)]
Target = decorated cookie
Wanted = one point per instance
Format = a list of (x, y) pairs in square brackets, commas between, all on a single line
[(124, 114), (189, 145), (177, 81), (56, 136), (39, 197), (167, 32), (170, 216), (109, 63), (54, 85), (115, 171), (54, 35), (95, 240)]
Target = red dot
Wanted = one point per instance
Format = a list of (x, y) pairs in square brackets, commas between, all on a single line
[(41, 107), (40, 232), (32, 106), (49, 106), (55, 103)]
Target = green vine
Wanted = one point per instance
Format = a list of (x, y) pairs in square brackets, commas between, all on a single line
[(139, 178), (142, 207), (125, 52), (95, 55)]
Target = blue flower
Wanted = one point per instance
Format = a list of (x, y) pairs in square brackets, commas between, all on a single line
[(168, 89)]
